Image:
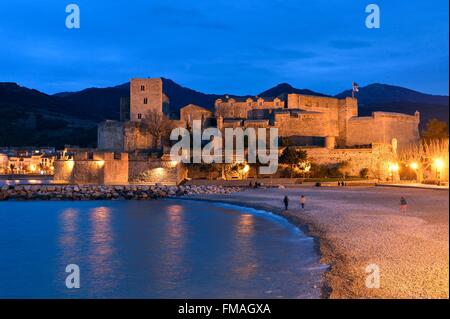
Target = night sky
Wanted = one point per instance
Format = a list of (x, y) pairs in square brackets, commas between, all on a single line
[(216, 46)]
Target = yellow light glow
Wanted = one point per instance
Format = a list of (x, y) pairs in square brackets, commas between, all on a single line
[(414, 165), (32, 168), (307, 167), (393, 167), (439, 164), (246, 169), (159, 171)]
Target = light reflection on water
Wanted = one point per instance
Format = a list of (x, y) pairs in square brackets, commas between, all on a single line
[(101, 245), (245, 267), (25, 181), (153, 249)]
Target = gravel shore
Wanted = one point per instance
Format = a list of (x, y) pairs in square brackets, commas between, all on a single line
[(359, 226)]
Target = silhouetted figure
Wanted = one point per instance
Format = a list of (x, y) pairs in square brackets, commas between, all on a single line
[(286, 202), (302, 201), (250, 185), (403, 205)]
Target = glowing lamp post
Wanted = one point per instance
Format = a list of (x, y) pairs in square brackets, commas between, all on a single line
[(393, 169), (439, 165), (414, 166)]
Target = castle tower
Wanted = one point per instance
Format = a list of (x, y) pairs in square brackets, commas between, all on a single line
[(145, 95)]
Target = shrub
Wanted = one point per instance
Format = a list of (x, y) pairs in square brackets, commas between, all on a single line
[(364, 173)]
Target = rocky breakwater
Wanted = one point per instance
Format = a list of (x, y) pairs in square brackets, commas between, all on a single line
[(102, 192)]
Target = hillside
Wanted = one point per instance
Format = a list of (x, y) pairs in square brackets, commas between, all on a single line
[(30, 117)]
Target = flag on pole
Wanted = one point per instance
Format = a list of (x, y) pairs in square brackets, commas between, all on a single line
[(355, 88)]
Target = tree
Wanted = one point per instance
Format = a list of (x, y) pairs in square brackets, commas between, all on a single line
[(157, 125), (435, 129), (293, 158), (420, 156), (364, 172), (344, 168)]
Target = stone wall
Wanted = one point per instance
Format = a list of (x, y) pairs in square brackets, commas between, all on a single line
[(233, 108), (376, 159), (148, 170), (193, 112), (93, 168), (118, 136), (305, 124), (382, 127), (335, 115), (136, 137), (110, 136), (145, 95)]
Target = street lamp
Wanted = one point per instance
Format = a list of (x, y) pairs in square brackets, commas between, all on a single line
[(439, 165), (414, 166), (393, 168)]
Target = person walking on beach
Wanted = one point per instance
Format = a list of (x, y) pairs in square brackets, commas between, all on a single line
[(302, 201), (286, 202), (403, 205)]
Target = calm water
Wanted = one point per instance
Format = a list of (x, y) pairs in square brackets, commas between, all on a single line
[(153, 249)]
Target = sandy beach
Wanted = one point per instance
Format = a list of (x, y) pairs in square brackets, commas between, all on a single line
[(358, 226)]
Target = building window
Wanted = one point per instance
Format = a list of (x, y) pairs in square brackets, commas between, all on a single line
[(145, 100), (139, 116), (142, 87)]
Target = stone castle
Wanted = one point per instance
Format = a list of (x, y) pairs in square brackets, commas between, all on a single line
[(329, 129)]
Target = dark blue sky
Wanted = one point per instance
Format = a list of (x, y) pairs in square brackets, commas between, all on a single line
[(232, 46)]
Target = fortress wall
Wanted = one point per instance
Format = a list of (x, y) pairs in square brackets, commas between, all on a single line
[(317, 124), (152, 92), (115, 170), (63, 171), (382, 128), (193, 112), (375, 159), (110, 136), (101, 168), (234, 109), (88, 172), (135, 138), (117, 136), (338, 112), (363, 130), (153, 171), (312, 103)]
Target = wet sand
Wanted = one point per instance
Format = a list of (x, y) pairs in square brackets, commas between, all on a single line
[(358, 226)]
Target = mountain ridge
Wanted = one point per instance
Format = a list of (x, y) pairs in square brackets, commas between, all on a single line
[(32, 117)]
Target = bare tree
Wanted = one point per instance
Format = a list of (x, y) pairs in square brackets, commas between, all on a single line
[(157, 125), (420, 156)]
